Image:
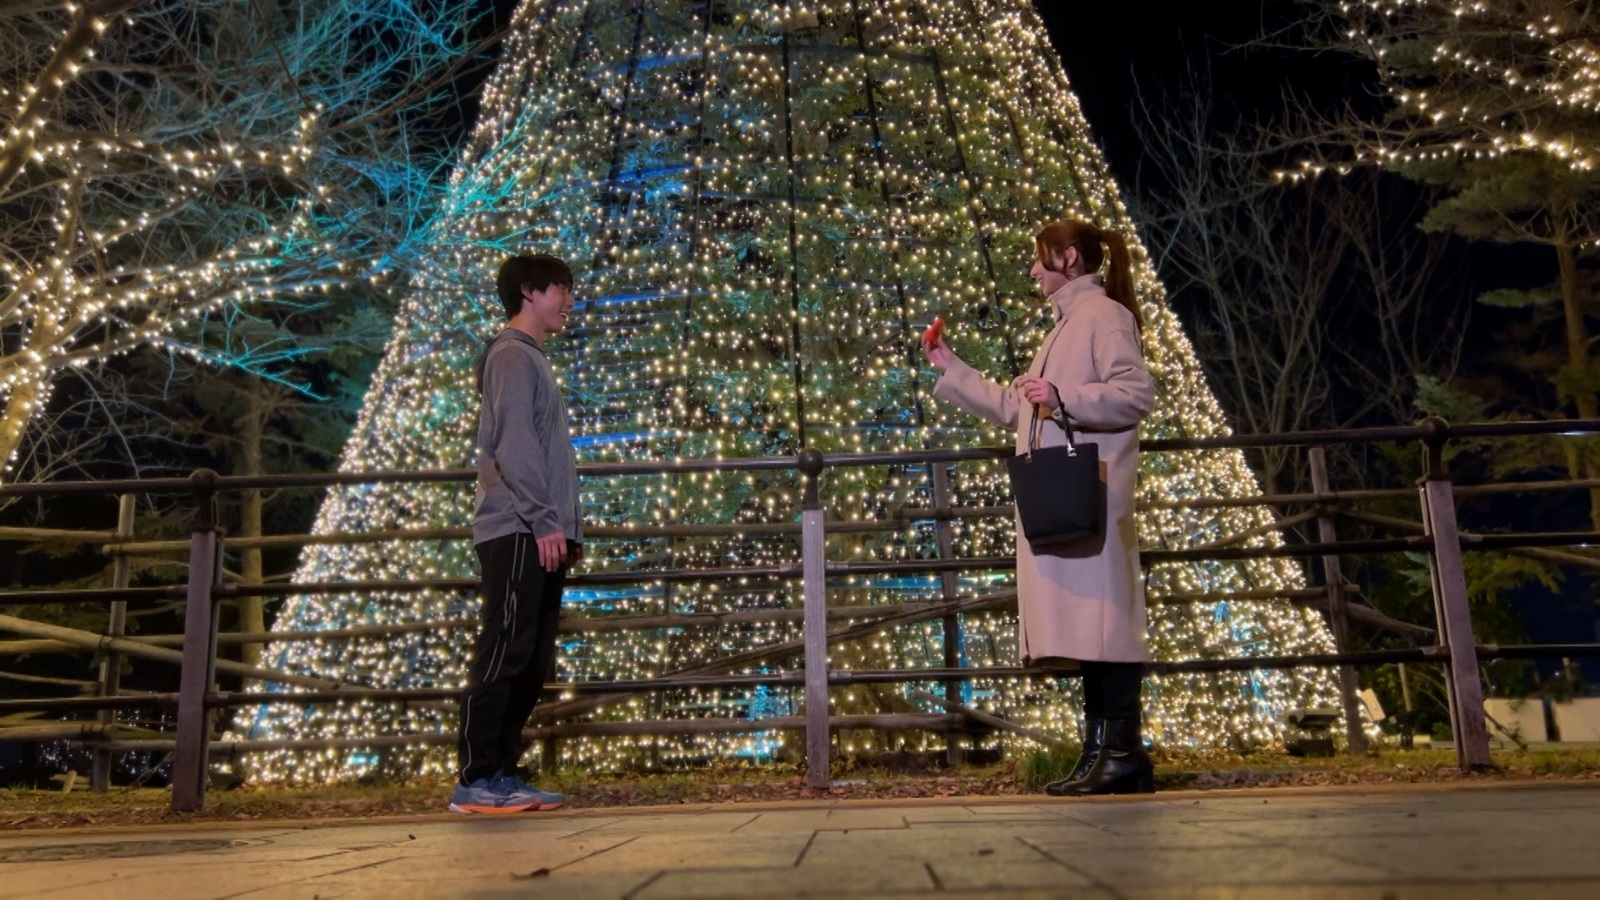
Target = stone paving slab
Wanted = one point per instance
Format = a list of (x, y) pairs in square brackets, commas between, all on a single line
[(940, 847), (877, 880), (671, 823), (1233, 866), (1528, 890), (1421, 843), (994, 877), (653, 853)]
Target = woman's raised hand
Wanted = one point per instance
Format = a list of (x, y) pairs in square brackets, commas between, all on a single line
[(939, 353)]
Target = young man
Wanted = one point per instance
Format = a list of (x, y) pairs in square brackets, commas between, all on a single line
[(527, 532)]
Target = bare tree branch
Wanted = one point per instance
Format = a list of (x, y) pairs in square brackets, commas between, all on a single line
[(1309, 298), (161, 160)]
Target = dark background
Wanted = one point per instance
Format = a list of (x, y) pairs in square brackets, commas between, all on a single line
[(1106, 47), (1109, 48)]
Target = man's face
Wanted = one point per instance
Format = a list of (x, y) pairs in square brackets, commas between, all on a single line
[(549, 308)]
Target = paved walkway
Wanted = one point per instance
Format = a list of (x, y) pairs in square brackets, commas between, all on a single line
[(1431, 842)]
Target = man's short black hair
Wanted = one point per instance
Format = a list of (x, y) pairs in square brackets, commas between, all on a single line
[(536, 272)]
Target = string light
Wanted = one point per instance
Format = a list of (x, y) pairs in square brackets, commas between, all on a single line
[(764, 207), (154, 173), (1476, 81)]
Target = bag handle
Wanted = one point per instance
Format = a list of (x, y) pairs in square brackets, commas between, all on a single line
[(1035, 426)]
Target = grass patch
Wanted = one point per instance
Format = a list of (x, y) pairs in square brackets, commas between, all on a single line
[(25, 808), (1040, 767), (36, 809), (1196, 770)]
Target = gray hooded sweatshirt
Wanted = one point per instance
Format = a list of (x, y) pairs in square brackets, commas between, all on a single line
[(527, 469)]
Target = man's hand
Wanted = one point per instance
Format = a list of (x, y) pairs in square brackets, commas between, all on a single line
[(552, 550)]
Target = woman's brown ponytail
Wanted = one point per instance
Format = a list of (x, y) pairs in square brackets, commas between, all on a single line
[(1119, 274)]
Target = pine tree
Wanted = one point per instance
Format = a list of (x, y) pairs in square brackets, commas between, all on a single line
[(1495, 103), (764, 204)]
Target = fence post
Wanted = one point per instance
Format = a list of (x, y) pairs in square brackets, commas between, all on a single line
[(1409, 724), (814, 573), (952, 624), (549, 755), (1465, 687), (111, 661), (1338, 617), (189, 765)]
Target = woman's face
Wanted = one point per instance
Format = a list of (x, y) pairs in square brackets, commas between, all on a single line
[(1048, 274)]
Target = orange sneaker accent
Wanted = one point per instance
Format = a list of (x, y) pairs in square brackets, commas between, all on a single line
[(492, 810)]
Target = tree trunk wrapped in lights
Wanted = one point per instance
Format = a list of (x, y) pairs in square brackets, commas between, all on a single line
[(764, 206), (171, 164)]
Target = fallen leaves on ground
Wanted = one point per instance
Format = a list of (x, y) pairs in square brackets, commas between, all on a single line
[(1176, 770)]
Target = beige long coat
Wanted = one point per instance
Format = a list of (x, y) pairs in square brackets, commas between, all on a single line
[(1080, 601)]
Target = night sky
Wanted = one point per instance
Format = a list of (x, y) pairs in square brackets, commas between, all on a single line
[(1107, 47)]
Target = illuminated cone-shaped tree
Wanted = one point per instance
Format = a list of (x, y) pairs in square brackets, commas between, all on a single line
[(763, 206)]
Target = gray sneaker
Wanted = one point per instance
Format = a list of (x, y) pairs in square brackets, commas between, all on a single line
[(493, 795)]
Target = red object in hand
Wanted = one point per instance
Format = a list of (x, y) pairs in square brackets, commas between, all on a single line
[(934, 333)]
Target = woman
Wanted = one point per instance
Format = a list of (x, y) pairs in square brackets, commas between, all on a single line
[(1081, 604)]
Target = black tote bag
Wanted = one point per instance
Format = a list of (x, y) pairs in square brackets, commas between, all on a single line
[(1060, 497)]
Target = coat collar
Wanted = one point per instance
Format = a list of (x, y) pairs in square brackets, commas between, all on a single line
[(1070, 295)]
